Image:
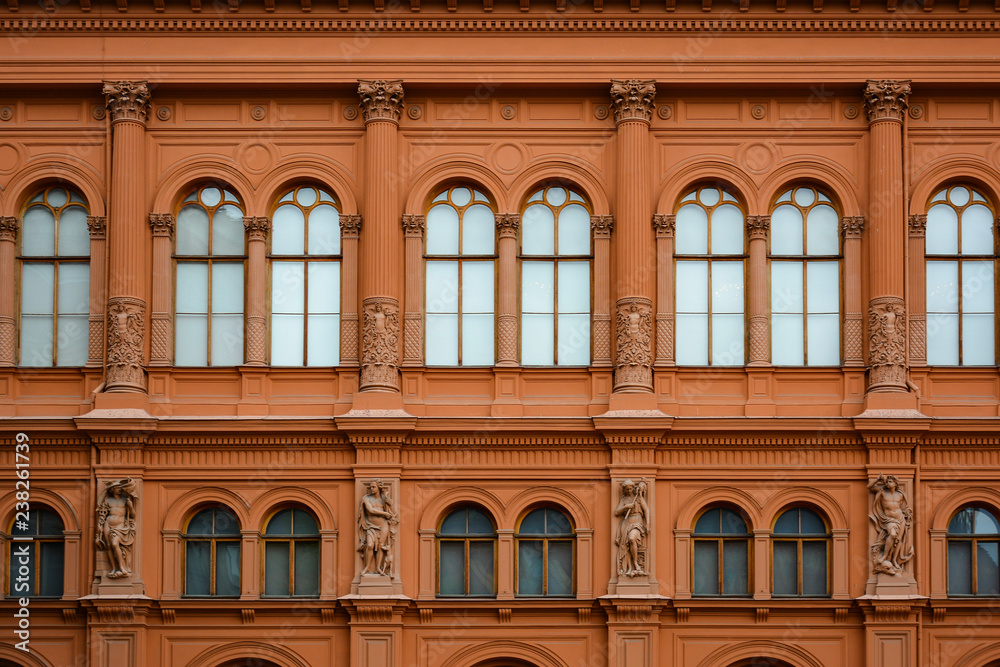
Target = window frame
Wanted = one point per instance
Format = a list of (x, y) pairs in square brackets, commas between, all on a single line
[(720, 539), (212, 538), (973, 541), (545, 539), (37, 539), (798, 539), (291, 539), (466, 539)]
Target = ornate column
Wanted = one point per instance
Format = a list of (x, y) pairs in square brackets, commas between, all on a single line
[(760, 339), (507, 226), (161, 347), (413, 321), (885, 104), (8, 302), (350, 230), (128, 104), (917, 293), (98, 227), (602, 226), (257, 230), (664, 226), (853, 348), (382, 249), (632, 102)]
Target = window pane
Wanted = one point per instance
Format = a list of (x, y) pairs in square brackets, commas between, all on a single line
[(477, 287), (706, 568), (786, 231), (307, 568), (727, 340), (537, 333), (692, 287), (787, 523), (977, 231), (227, 568), (280, 524), (74, 287), (74, 237), (977, 287), (942, 339), (37, 288), (787, 340), (727, 230), (821, 231), (51, 584), (324, 231), (38, 232), (287, 287), (288, 231), (324, 340), (538, 231), (477, 340), (305, 523), (324, 287), (226, 523), (27, 577), (560, 568), (442, 287), (192, 287), (201, 523), (811, 523), (987, 569), (942, 287), (692, 339), (452, 564), (727, 287), (977, 340), (574, 340), (785, 570), (442, 340), (36, 340), (534, 523), (227, 340), (942, 230), (461, 196), (557, 523), (456, 523), (197, 564), (478, 230), (986, 523), (961, 523), (786, 287), (823, 332), (192, 231), (734, 567), (191, 340), (574, 230), (276, 568), (709, 522), (555, 196), (286, 340), (574, 287), (959, 567), (481, 568), (479, 523), (537, 287), (227, 231), (529, 567), (72, 337), (814, 568), (691, 230), (227, 287), (731, 522), (49, 522), (823, 287), (442, 230)]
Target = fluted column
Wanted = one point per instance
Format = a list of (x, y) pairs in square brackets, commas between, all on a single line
[(507, 226), (413, 321), (664, 226), (350, 231), (760, 340), (852, 228), (8, 305), (917, 293), (161, 344), (97, 225), (128, 104), (382, 247), (632, 102), (257, 230), (885, 104), (602, 226)]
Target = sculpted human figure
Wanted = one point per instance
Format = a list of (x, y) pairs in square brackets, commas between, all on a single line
[(633, 528), (377, 530), (116, 525), (892, 516)]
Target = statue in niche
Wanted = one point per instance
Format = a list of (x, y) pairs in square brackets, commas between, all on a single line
[(116, 525), (377, 530), (633, 529), (892, 517)]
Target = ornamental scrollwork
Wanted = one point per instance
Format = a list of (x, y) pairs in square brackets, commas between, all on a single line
[(886, 342), (379, 343), (633, 363), (126, 328)]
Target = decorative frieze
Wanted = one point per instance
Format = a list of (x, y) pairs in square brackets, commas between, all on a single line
[(887, 342), (633, 362), (886, 99), (632, 99), (381, 99), (127, 100), (379, 343), (125, 331)]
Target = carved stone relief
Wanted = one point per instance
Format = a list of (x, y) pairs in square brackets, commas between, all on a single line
[(893, 518), (507, 224), (381, 99), (633, 363), (350, 226), (633, 529), (377, 522), (886, 99), (887, 343), (126, 328), (116, 514), (632, 99), (97, 225), (127, 100), (379, 343), (602, 226)]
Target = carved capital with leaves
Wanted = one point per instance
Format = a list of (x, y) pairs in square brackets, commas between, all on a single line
[(162, 224), (97, 225), (602, 226), (664, 224), (414, 226), (918, 226), (381, 99), (886, 99), (257, 229), (758, 226), (127, 100), (508, 224), (632, 99), (350, 226), (852, 226), (8, 228)]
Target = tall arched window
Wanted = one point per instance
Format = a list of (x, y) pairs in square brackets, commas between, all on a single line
[(555, 279), (805, 280), (721, 553), (545, 553), (55, 279), (305, 279), (467, 542), (291, 554), (209, 251), (800, 547), (460, 255), (973, 557), (35, 554), (710, 251), (961, 254), (212, 553)]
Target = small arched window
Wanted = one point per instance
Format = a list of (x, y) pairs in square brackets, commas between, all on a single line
[(710, 251), (545, 553), (721, 553), (291, 554), (961, 256), (555, 279), (805, 279), (35, 549), (800, 548), (209, 251), (460, 254), (305, 279), (973, 558), (212, 554), (467, 543), (55, 279)]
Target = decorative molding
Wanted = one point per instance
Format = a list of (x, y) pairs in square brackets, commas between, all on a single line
[(97, 225), (414, 226), (248, 615), (852, 227), (633, 361), (372, 613), (127, 100), (758, 226), (760, 344), (162, 224), (161, 327), (887, 343), (893, 519), (507, 338), (256, 338), (413, 337), (918, 339), (508, 224), (633, 613), (602, 226), (349, 339), (379, 343), (256, 229), (116, 528), (381, 99), (116, 613), (426, 615), (762, 614), (602, 337), (583, 615), (683, 614), (853, 349), (632, 99), (8, 340), (69, 615), (665, 338), (886, 99), (125, 330), (8, 228), (350, 226), (918, 226), (504, 614), (664, 224)]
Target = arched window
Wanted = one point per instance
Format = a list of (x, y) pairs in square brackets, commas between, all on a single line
[(212, 553), (805, 279), (291, 554), (721, 553), (973, 558), (305, 279), (35, 551), (555, 279), (209, 251), (800, 548), (460, 255), (961, 253), (55, 279), (467, 543), (710, 251), (545, 553)]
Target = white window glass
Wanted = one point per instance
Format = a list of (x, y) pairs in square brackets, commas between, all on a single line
[(824, 340), (942, 339), (324, 230), (977, 339), (37, 288), (822, 231), (786, 287), (478, 230), (574, 230), (190, 336), (442, 287), (192, 231), (786, 231), (287, 334), (38, 232), (74, 237), (727, 230), (443, 331), (691, 230), (289, 230), (288, 287), (537, 287), (477, 340), (727, 340), (442, 231), (192, 287), (787, 336), (574, 339), (823, 283), (727, 287), (73, 307), (942, 287), (977, 230), (536, 340), (942, 230), (538, 230), (227, 287), (574, 287), (477, 287), (692, 287), (692, 339)]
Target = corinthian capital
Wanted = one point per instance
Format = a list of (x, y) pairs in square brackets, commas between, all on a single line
[(8, 228), (381, 99), (632, 99), (508, 224), (256, 229), (886, 99), (127, 100), (758, 226)]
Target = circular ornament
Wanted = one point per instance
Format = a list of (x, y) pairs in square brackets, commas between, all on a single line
[(163, 113), (508, 112), (258, 113), (6, 113), (665, 112), (758, 111), (850, 112), (350, 112), (99, 113), (414, 111), (601, 112), (917, 111)]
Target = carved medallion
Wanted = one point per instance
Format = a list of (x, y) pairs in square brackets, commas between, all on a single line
[(126, 327), (886, 343), (379, 344), (633, 363), (381, 99), (127, 100), (632, 99), (664, 224)]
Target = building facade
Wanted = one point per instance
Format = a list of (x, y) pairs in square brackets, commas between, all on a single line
[(444, 335)]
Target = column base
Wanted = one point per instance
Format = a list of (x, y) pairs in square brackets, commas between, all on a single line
[(891, 400)]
